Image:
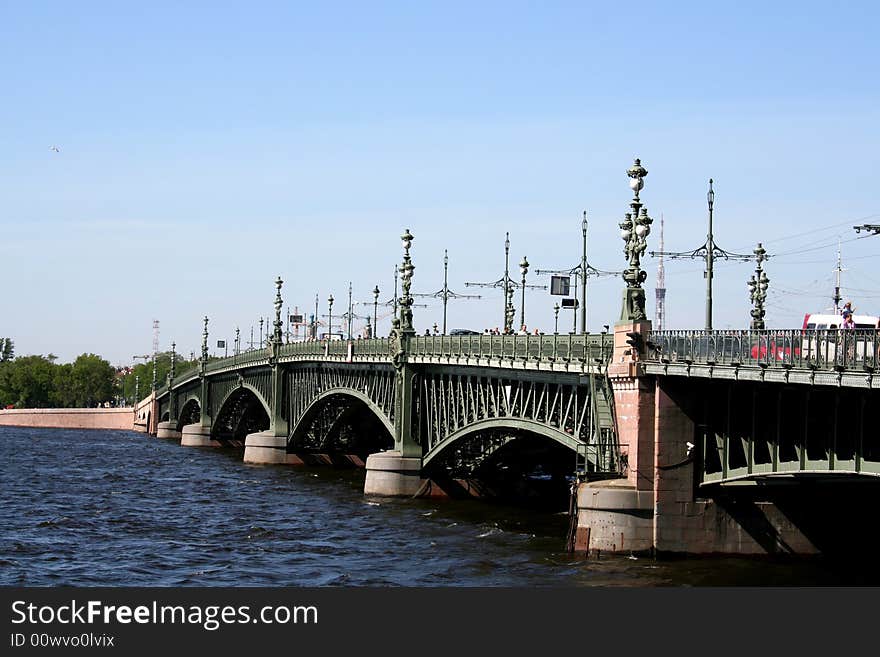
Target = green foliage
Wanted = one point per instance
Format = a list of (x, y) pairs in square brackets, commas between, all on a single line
[(38, 382), (27, 382)]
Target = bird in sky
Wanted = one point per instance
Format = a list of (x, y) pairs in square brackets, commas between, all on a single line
[(55, 148)]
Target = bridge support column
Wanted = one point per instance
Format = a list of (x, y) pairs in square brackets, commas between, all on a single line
[(618, 515), (266, 447), (167, 430), (391, 474), (196, 435), (398, 472)]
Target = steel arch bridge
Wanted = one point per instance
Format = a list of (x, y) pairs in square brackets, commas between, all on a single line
[(454, 401)]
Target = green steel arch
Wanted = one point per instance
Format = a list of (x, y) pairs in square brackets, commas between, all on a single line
[(240, 386), (318, 401), (509, 423)]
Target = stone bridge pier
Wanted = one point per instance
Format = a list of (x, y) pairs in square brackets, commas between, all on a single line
[(660, 506)]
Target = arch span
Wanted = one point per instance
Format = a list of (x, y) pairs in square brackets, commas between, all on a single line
[(515, 426), (337, 411), (189, 413), (242, 411)]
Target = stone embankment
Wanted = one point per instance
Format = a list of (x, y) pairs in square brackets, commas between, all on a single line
[(68, 418)]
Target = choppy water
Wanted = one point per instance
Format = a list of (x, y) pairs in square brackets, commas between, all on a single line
[(114, 508)]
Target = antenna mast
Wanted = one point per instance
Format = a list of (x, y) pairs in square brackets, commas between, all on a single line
[(155, 336), (660, 290)]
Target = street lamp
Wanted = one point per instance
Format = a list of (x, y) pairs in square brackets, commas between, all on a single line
[(277, 324), (375, 310), (330, 317), (524, 268), (315, 319), (556, 317), (173, 358), (205, 341), (406, 275), (758, 285), (261, 332), (634, 231)]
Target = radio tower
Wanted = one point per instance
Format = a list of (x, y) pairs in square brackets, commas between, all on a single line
[(660, 289), (155, 337)]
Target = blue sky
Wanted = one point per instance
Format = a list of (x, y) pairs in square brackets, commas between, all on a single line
[(207, 149)]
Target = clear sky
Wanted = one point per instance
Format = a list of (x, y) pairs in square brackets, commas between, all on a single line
[(206, 148)]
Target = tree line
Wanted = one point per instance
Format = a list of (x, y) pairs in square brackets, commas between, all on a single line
[(89, 381)]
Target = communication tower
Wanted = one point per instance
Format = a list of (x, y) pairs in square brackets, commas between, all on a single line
[(660, 290)]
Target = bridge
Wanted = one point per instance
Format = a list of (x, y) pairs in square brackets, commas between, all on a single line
[(414, 409), (751, 441)]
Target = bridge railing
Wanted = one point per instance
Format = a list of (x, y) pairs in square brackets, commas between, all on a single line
[(825, 349), (591, 348), (595, 348)]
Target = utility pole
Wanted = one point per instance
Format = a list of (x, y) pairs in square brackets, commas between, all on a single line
[(708, 252), (581, 272), (507, 284), (445, 293)]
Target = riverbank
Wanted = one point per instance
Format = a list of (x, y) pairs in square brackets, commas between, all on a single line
[(68, 418)]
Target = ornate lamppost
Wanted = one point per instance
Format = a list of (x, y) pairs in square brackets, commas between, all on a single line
[(634, 231), (406, 273), (315, 320), (375, 311), (330, 317), (758, 285), (556, 317), (237, 341), (277, 335), (173, 358), (524, 268), (261, 332), (205, 341)]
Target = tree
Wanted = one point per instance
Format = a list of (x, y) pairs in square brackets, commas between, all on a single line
[(27, 382), (91, 380)]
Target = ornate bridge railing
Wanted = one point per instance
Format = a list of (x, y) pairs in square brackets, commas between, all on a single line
[(853, 350), (591, 349)]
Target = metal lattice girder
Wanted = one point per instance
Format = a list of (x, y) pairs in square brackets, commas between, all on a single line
[(311, 385), (458, 404)]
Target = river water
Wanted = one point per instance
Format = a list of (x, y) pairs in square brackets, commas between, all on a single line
[(118, 508)]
